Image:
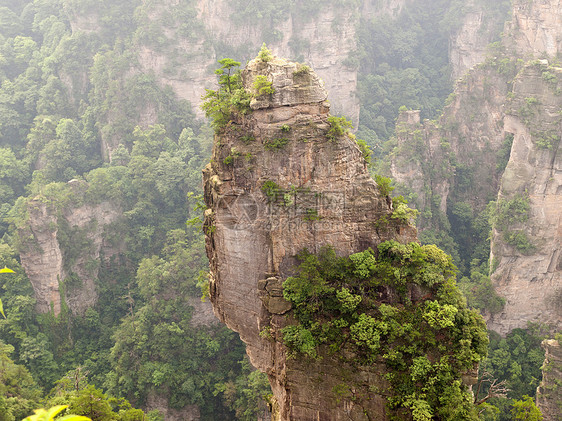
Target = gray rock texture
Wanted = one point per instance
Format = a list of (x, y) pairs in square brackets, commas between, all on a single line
[(266, 204), (531, 281), (66, 276), (458, 159)]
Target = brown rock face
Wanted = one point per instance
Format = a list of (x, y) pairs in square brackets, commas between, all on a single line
[(549, 393), (534, 30), (50, 264), (455, 157), (480, 26), (275, 186)]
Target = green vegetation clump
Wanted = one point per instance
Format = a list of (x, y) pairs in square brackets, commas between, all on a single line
[(512, 212), (478, 289), (546, 140), (264, 54), (503, 154), (425, 343), (262, 86), (302, 69), (272, 190), (231, 98), (384, 185), (229, 159), (338, 127), (275, 144)]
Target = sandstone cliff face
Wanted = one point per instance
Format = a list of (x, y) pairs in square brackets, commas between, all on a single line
[(534, 31), (326, 42), (60, 270), (323, 41), (549, 393), (439, 161), (486, 110), (531, 280), (468, 45), (276, 185)]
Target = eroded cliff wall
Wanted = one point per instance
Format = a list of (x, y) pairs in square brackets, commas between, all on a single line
[(63, 247), (480, 25), (504, 114), (283, 179), (526, 255), (325, 197), (549, 393)]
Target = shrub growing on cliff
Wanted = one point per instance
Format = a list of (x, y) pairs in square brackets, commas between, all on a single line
[(509, 213), (366, 304), (264, 54), (262, 86), (229, 99), (338, 126)]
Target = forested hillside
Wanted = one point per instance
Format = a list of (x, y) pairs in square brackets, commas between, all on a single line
[(113, 301), (102, 144)]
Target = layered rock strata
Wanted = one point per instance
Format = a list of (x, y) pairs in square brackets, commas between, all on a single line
[(453, 159), (480, 26), (534, 30), (275, 186), (528, 270)]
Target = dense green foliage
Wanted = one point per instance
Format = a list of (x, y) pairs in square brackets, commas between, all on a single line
[(365, 304), (231, 97), (508, 217), (74, 103), (158, 347), (517, 360), (404, 61), (71, 102)]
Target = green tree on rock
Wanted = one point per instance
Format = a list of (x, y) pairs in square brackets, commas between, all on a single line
[(230, 98)]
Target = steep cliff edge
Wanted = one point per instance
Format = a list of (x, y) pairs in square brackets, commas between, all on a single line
[(526, 243), (283, 179), (480, 26)]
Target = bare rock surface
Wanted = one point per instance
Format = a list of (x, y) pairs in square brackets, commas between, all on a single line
[(531, 281), (549, 393), (434, 160), (480, 26), (66, 272), (275, 186), (534, 31)]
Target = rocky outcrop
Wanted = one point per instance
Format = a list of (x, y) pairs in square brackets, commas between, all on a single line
[(275, 186), (528, 268), (436, 162), (322, 42), (534, 30), (62, 250), (468, 46), (460, 159), (549, 393)]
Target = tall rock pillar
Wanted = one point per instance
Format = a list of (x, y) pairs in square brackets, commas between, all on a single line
[(278, 183)]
